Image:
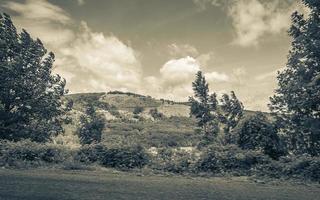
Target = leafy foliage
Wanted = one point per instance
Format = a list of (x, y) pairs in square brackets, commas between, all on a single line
[(137, 110), (257, 133), (232, 112), (204, 107), (297, 99), (156, 114), (30, 96), (91, 126)]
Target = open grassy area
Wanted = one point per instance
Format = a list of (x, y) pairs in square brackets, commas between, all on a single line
[(96, 185)]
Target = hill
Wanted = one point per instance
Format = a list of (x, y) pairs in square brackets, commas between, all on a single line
[(174, 129)]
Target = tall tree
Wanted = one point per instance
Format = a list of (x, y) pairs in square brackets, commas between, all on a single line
[(30, 96), (297, 99), (204, 106), (230, 115)]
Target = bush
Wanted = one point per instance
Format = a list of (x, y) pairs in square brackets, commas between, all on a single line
[(137, 110), (174, 160), (91, 153), (305, 167), (26, 153), (156, 114), (125, 157), (256, 132), (231, 159), (91, 126)]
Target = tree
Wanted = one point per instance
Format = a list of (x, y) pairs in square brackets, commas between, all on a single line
[(257, 133), (231, 113), (30, 96), (204, 106), (297, 98), (91, 126)]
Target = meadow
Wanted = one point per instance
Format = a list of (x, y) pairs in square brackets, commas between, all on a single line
[(98, 185)]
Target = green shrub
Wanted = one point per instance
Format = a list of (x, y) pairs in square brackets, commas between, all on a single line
[(26, 153), (257, 132), (91, 153), (305, 167), (120, 157), (156, 114), (174, 160), (231, 159), (91, 126), (128, 157), (137, 110)]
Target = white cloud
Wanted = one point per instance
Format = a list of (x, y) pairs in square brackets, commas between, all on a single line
[(253, 19), (268, 75), (176, 76), (106, 58), (90, 61), (179, 71), (43, 20), (216, 77)]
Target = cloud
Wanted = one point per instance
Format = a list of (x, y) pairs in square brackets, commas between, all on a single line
[(182, 50), (90, 61), (49, 22), (177, 71), (106, 58), (268, 75), (253, 19), (204, 59), (216, 77), (176, 77)]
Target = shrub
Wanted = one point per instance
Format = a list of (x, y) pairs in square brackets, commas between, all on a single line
[(26, 153), (125, 157), (156, 114), (256, 132), (120, 157), (91, 153), (174, 160), (137, 110), (305, 167), (230, 158), (91, 126)]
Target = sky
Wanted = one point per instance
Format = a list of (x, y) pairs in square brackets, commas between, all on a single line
[(155, 47)]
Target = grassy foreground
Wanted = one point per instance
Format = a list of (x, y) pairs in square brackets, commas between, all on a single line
[(95, 185)]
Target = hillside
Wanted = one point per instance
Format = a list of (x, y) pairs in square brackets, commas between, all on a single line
[(174, 129)]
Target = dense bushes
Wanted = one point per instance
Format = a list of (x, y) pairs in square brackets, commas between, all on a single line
[(26, 154), (174, 160), (214, 160), (256, 132), (298, 167), (126, 157), (30, 154), (230, 158)]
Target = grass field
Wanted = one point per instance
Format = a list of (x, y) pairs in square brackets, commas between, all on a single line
[(96, 185)]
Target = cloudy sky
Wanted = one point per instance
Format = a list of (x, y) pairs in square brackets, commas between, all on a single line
[(155, 47)]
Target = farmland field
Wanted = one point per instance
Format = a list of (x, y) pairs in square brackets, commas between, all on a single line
[(96, 185)]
